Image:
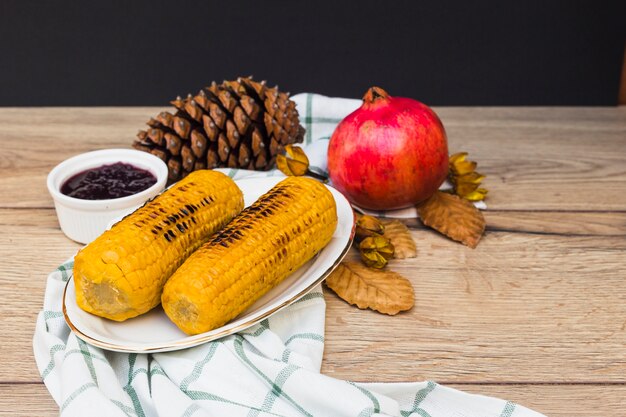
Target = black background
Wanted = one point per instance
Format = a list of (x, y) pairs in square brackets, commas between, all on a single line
[(439, 52)]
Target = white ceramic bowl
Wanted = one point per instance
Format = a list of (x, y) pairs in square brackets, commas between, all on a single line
[(84, 220)]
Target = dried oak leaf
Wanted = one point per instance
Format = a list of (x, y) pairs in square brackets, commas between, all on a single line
[(454, 217), (400, 238), (384, 291)]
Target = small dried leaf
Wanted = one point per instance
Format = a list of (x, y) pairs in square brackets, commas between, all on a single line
[(384, 291), (454, 217), (294, 162), (368, 226), (401, 239)]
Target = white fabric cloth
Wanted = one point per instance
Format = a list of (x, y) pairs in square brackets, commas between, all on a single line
[(270, 369)]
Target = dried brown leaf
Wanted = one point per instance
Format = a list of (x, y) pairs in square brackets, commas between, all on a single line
[(384, 291), (454, 217), (400, 238)]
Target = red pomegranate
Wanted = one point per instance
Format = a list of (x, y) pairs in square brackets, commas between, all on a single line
[(390, 153)]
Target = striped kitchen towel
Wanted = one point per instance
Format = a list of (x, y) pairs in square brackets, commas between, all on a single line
[(270, 369)]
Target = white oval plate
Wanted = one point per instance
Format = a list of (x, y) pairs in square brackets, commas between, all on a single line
[(154, 332)]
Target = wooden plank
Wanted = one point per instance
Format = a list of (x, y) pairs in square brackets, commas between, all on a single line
[(520, 307), (563, 223), (37, 139), (544, 159), (540, 300), (33, 400), (32, 247), (17, 218), (26, 400), (610, 223), (560, 400), (535, 158)]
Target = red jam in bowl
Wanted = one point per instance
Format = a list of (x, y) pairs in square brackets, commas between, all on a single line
[(108, 182)]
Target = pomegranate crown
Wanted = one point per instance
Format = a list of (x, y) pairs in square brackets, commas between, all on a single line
[(374, 94)]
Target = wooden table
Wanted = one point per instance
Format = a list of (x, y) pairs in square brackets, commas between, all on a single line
[(536, 314)]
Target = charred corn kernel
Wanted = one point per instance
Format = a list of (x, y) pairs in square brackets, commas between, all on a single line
[(121, 274), (269, 240)]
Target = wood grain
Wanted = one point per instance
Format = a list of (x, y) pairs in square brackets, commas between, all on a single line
[(571, 154), (558, 222), (465, 301), (541, 222), (480, 317), (26, 400), (536, 314), (559, 400)]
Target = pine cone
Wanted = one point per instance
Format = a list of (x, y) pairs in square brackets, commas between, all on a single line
[(236, 124)]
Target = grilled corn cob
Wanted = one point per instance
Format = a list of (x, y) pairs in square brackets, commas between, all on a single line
[(270, 239), (121, 274)]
